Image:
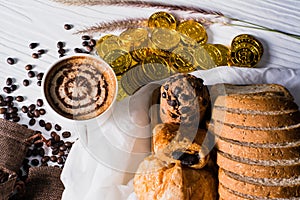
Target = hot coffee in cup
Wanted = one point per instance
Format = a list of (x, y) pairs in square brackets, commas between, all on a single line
[(80, 87)]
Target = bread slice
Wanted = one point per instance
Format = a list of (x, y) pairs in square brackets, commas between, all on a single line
[(267, 188), (258, 120), (253, 134), (259, 168), (256, 102), (222, 89), (258, 151)]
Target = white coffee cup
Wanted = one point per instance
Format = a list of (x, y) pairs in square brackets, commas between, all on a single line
[(78, 83)]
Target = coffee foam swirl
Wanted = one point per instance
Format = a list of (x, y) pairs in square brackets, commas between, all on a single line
[(80, 88)]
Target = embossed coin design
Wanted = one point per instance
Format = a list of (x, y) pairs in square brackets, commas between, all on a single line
[(164, 38), (119, 60), (182, 59), (162, 20), (193, 30)]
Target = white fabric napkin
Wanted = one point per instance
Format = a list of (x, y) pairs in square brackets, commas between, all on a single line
[(102, 165)]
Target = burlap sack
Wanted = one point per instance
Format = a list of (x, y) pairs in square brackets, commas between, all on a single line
[(7, 187), (12, 144), (44, 183)]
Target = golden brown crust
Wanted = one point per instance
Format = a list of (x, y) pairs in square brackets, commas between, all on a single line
[(155, 180)]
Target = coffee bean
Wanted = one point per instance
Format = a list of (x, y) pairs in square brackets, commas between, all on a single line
[(39, 83), (61, 51), (28, 67), (35, 55), (48, 126), (3, 103), (6, 116), (31, 74), (63, 148), (30, 114), (53, 134), (35, 162), (92, 42), (32, 122), (33, 45), (85, 43), (42, 111), (9, 81), (85, 37), (25, 125), (45, 159), (66, 134), (39, 76), (60, 44), (36, 113), (13, 87), (8, 99), (24, 109), (89, 48), (41, 151), (3, 110), (53, 158), (19, 98), (68, 144), (41, 51), (61, 153), (10, 61), (38, 145), (55, 151), (42, 123), (77, 50), (11, 104), (39, 102), (57, 127), (60, 160), (7, 90), (67, 26), (31, 107), (16, 119), (56, 138), (25, 82)]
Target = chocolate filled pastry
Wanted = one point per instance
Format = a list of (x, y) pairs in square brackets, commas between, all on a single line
[(173, 145), (184, 100), (158, 180)]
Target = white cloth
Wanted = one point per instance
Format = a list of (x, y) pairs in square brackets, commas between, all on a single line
[(87, 178)]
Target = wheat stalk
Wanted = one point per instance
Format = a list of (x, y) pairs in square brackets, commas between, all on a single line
[(140, 4)]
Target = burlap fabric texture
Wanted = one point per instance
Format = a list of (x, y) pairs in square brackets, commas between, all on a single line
[(44, 183), (7, 186)]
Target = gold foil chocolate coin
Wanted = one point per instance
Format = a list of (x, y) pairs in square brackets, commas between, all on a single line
[(106, 44), (182, 59), (214, 53), (156, 68), (119, 60), (165, 39), (203, 58), (162, 20), (224, 54), (245, 55), (136, 36), (193, 30), (246, 38)]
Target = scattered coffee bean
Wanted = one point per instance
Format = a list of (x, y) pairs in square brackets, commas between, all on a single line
[(67, 26), (89, 48), (85, 37), (48, 126), (35, 55), (63, 148), (56, 138), (66, 134), (39, 76), (9, 81), (13, 87), (42, 123), (24, 109), (85, 43), (77, 50), (55, 151), (36, 113), (57, 127), (41, 51), (7, 90), (39, 83), (60, 160), (16, 119), (45, 159), (25, 125), (41, 151), (68, 144), (33, 45), (3, 110), (30, 114), (53, 158), (31, 107), (39, 102), (3, 103), (60, 44), (28, 67), (32, 122), (61, 51), (25, 82), (61, 153), (92, 42), (10, 61), (42, 111), (35, 162), (31, 74), (19, 98), (6, 116), (8, 99), (53, 134)]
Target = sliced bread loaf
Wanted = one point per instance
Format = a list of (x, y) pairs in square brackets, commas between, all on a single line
[(259, 168), (258, 120), (258, 151), (253, 134), (267, 188)]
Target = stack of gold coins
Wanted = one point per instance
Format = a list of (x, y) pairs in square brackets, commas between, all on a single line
[(167, 46)]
